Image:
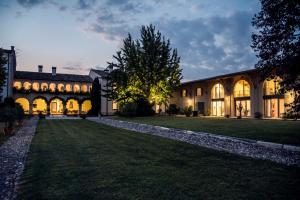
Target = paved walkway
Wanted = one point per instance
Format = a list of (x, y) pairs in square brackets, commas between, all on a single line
[(284, 154), (12, 158)]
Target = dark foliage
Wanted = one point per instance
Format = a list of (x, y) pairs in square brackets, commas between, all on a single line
[(140, 108), (95, 97), (257, 115), (172, 109), (277, 44), (3, 61)]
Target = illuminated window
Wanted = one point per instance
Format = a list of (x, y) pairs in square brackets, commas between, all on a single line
[(27, 85), (271, 87), (86, 106), (114, 105), (39, 105), (44, 86), (56, 107), (36, 86), (76, 88), (242, 89), (72, 106), (24, 103), (52, 87), (183, 93), (17, 85), (217, 91), (84, 88), (69, 88), (199, 92), (61, 87)]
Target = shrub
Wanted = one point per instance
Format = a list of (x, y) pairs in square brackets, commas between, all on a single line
[(257, 115), (41, 115), (9, 101), (83, 116), (19, 112), (128, 110), (144, 108), (8, 116), (172, 109), (188, 110)]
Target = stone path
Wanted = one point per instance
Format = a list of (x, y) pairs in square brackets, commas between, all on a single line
[(284, 154), (12, 158)]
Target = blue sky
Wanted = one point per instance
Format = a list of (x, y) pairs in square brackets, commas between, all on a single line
[(212, 36)]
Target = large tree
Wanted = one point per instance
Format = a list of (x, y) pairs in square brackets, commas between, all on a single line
[(95, 97), (277, 43), (145, 68), (3, 61)]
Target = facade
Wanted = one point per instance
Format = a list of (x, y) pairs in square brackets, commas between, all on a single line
[(10, 67), (235, 94)]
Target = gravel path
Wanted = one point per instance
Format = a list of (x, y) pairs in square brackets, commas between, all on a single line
[(284, 154), (12, 158)]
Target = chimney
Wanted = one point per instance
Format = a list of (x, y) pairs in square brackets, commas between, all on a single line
[(40, 67), (12, 48), (53, 71)]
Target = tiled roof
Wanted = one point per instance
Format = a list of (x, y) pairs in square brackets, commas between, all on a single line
[(99, 72), (220, 76), (49, 77)]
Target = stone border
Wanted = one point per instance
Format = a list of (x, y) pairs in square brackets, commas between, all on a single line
[(13, 154), (284, 154)]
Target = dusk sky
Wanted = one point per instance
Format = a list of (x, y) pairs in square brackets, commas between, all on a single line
[(212, 36)]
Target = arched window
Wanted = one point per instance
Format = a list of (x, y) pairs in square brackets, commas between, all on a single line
[(24, 103), (56, 106), (241, 89), (61, 87), (27, 85), (44, 86), (84, 88), (52, 87), (72, 106), (271, 87), (39, 105), (69, 88), (217, 91), (86, 106), (17, 85), (76, 88), (36, 86)]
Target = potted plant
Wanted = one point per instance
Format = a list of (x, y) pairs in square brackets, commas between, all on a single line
[(188, 111)]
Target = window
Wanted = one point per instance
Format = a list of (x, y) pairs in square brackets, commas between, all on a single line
[(36, 86), (17, 85), (183, 93), (114, 105), (27, 85), (76, 88), (44, 86), (199, 92), (52, 87), (217, 91), (242, 89), (271, 87), (61, 87)]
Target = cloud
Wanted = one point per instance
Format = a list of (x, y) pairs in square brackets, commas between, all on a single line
[(30, 3), (85, 4)]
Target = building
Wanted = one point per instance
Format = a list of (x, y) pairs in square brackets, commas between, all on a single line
[(241, 93), (10, 67)]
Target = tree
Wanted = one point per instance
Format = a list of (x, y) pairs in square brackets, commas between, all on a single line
[(95, 97), (278, 45), (3, 61), (147, 68)]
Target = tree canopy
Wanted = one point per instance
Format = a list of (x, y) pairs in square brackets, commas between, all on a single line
[(277, 43), (144, 68), (3, 61)]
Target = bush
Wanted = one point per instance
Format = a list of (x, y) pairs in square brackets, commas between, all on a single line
[(140, 108), (257, 115), (19, 112), (172, 109), (128, 110), (8, 116), (41, 115), (83, 116), (188, 111)]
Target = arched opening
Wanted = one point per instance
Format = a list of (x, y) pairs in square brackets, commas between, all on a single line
[(17, 85), (72, 107), (217, 97), (24, 103), (27, 85), (35, 86), (44, 86), (56, 106), (39, 105), (84, 88), (241, 93), (69, 88), (86, 106), (273, 101), (61, 87), (76, 88), (52, 87)]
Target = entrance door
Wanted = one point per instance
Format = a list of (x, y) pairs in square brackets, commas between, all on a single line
[(201, 108), (217, 108), (54, 107)]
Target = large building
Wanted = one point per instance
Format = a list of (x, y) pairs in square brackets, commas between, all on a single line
[(241, 93)]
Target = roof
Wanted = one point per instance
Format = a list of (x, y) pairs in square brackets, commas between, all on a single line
[(99, 72), (220, 76), (50, 77)]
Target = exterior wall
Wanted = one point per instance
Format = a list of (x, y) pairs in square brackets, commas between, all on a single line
[(10, 69)]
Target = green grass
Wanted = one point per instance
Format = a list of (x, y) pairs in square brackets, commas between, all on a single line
[(287, 132), (79, 159)]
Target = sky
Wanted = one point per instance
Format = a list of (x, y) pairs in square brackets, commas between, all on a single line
[(212, 37)]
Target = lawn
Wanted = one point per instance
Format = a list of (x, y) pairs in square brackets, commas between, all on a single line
[(280, 131), (79, 159)]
